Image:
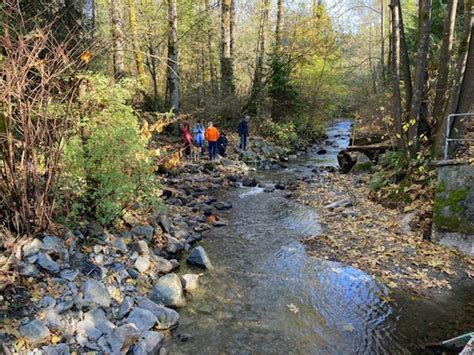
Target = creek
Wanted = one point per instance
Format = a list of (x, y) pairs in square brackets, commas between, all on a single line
[(267, 296)]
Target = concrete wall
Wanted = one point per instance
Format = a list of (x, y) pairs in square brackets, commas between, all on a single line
[(453, 213)]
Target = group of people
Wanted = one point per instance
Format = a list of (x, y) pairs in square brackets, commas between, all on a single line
[(217, 142)]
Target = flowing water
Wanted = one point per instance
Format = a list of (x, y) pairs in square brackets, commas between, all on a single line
[(267, 296)]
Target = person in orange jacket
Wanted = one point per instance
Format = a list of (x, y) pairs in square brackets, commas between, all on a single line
[(212, 135)]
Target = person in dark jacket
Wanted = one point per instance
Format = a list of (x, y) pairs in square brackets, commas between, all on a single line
[(244, 132), (222, 144)]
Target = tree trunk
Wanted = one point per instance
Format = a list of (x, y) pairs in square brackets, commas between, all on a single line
[(382, 44), (136, 47), (397, 103), (117, 39), (444, 61), (466, 96), (210, 51), (279, 26), (255, 97), (405, 61), (227, 65), (420, 72), (232, 27), (440, 135), (172, 83)]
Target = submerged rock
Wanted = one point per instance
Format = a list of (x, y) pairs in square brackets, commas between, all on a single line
[(198, 257), (168, 291), (223, 206), (35, 331)]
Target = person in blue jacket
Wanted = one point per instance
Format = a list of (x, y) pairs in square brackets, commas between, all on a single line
[(199, 135), (244, 132)]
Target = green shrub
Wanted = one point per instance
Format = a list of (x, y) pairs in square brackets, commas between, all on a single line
[(282, 134), (107, 167)]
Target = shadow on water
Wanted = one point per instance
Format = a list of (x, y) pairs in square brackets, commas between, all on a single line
[(267, 296)]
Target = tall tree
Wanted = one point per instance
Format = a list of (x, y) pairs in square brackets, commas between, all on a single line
[(132, 16), (172, 82), (397, 101), (382, 43), (117, 39), (445, 60), (255, 97), (425, 7), (232, 27), (210, 51), (405, 62), (465, 39), (227, 62), (279, 25)]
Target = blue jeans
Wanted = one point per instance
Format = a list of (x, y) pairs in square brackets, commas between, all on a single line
[(243, 142), (212, 150)]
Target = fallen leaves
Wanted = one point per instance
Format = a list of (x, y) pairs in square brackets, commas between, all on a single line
[(374, 240)]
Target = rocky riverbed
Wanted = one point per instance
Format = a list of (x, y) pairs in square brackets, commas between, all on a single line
[(221, 268)]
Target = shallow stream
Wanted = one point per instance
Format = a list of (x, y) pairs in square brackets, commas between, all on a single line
[(267, 296)]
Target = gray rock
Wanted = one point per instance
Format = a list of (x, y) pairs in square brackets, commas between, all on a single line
[(29, 270), (45, 261), (190, 281), (174, 263), (32, 247), (168, 291), (142, 318), (145, 231), (223, 206), (174, 245), (142, 248), (35, 331), (153, 341), (126, 306), (53, 319), (86, 331), (69, 275), (269, 188), (139, 349), (167, 318), (100, 321), (118, 244), (122, 338), (349, 213), (96, 293), (54, 244), (48, 302), (64, 306), (59, 349), (142, 263), (162, 265), (198, 257), (165, 223)]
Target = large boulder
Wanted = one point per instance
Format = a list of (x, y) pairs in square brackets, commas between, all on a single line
[(198, 257), (96, 293), (168, 291), (363, 164)]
